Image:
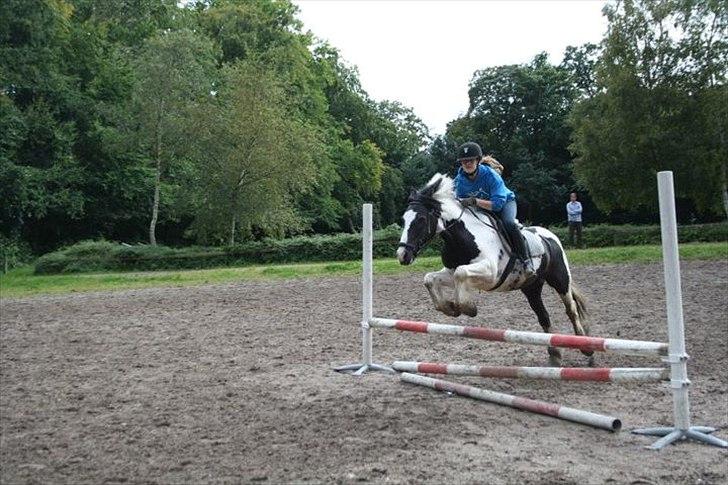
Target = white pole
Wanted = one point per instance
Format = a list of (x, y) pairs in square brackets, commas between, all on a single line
[(367, 237), (676, 356), (676, 328), (367, 286)]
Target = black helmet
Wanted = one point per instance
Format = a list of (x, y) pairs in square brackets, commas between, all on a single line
[(470, 150)]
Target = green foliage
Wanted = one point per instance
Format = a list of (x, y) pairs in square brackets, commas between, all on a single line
[(253, 158), (13, 252), (91, 256), (662, 104), (175, 73), (519, 113), (224, 120)]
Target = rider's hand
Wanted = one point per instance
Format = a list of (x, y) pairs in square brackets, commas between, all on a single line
[(469, 202)]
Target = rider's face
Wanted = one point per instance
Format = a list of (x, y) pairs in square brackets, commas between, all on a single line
[(469, 165)]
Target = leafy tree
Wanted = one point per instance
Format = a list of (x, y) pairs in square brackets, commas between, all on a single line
[(360, 168), (519, 113), (254, 158), (661, 84), (580, 62), (175, 74), (41, 177)]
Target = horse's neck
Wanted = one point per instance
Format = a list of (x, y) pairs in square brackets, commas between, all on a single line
[(475, 239)]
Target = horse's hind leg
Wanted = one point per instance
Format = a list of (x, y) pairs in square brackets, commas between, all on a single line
[(574, 305), (533, 293), (559, 277)]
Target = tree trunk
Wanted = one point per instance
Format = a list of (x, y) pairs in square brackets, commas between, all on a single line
[(232, 230), (155, 206), (157, 183), (724, 176), (234, 217)]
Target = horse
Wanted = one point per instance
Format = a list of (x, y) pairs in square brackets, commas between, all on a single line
[(476, 257)]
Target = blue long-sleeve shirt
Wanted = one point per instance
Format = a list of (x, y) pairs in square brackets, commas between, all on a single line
[(487, 185), (573, 211)]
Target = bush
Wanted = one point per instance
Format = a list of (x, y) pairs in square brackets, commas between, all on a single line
[(88, 256), (605, 235), (13, 252)]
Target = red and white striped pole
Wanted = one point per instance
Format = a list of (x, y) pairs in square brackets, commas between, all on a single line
[(540, 407), (627, 347), (590, 374)]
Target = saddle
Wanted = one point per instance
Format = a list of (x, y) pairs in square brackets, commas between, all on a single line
[(534, 243)]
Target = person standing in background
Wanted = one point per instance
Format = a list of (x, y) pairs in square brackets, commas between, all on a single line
[(573, 213)]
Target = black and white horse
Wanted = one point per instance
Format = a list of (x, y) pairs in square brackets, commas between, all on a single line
[(476, 257)]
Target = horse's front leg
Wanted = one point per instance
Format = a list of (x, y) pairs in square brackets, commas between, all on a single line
[(481, 276), (435, 283)]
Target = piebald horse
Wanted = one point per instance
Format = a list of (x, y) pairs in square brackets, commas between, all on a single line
[(476, 257)]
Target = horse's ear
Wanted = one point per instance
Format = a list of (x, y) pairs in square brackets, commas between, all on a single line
[(412, 194), (433, 188)]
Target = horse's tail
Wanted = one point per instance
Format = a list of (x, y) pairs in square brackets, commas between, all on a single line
[(581, 309)]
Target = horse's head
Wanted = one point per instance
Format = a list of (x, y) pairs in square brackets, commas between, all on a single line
[(422, 218)]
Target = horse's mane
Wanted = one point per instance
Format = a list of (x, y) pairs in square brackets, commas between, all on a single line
[(444, 193)]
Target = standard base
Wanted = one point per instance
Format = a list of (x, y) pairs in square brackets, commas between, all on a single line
[(670, 435), (360, 369)]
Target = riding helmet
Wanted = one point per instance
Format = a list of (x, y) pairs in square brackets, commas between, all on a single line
[(469, 150)]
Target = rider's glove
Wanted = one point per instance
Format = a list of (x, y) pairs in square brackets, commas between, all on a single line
[(469, 202)]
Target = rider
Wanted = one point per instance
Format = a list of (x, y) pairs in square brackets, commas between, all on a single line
[(478, 185)]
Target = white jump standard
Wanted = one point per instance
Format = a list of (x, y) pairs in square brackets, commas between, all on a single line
[(677, 357), (673, 352)]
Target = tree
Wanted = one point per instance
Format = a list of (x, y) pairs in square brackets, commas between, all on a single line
[(661, 77), (41, 178), (253, 158), (519, 113), (580, 62), (175, 73)]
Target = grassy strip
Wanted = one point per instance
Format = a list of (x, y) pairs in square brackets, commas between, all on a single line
[(21, 282)]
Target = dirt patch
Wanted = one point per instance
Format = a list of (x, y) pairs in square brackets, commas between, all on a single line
[(234, 383)]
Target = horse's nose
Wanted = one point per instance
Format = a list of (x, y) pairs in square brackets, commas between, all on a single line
[(404, 256)]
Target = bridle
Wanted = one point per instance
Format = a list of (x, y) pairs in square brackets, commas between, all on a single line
[(434, 217)]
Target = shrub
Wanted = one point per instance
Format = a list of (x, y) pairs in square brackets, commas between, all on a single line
[(13, 252), (88, 256)]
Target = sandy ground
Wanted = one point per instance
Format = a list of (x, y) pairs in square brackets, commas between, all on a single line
[(234, 383)]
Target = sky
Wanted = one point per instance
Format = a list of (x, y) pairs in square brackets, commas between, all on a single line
[(423, 53)]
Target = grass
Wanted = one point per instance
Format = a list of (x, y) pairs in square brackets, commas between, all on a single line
[(21, 282)]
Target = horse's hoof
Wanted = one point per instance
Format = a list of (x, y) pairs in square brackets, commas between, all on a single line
[(554, 361), (469, 310), (449, 309), (591, 361)]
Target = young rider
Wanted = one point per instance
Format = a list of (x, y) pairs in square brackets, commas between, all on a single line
[(478, 185)]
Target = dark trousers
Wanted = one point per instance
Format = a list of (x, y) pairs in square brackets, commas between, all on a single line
[(575, 227), (508, 216)]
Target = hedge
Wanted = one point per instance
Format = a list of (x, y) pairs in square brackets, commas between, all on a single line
[(91, 256)]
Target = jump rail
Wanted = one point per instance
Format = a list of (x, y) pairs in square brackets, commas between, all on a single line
[(577, 415), (628, 347), (582, 374), (674, 351)]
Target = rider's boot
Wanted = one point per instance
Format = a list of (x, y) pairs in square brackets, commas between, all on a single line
[(519, 244)]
